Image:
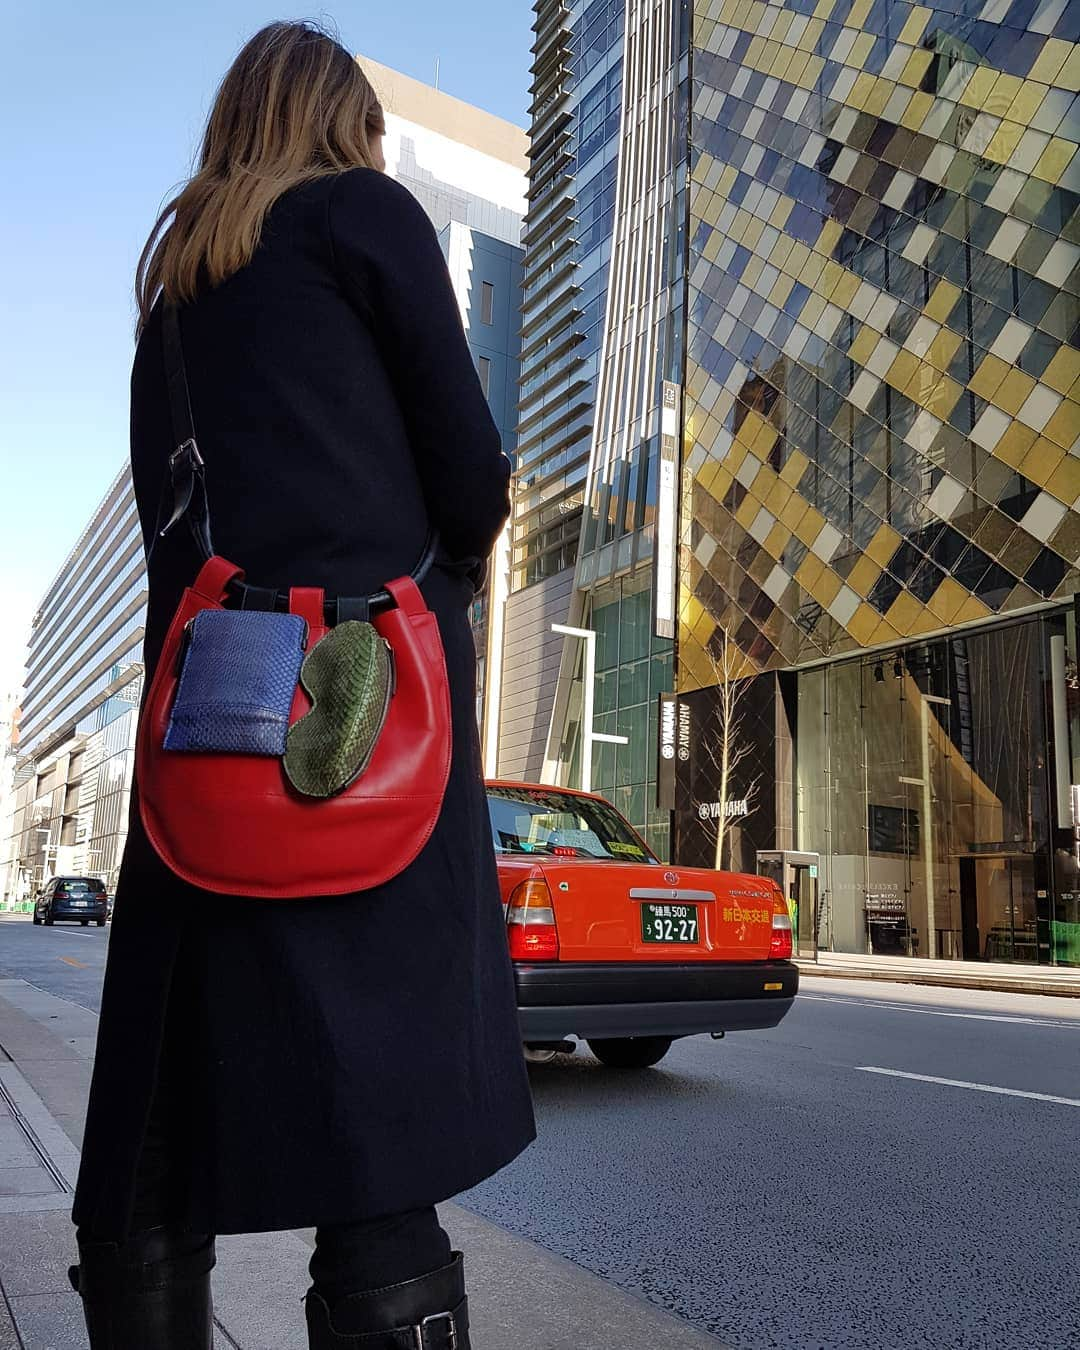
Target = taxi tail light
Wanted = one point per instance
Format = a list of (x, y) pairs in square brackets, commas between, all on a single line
[(780, 941), (530, 923)]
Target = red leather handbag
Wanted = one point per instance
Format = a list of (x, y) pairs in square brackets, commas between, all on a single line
[(232, 823)]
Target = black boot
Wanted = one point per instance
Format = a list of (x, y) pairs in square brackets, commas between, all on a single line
[(429, 1313), (149, 1293)]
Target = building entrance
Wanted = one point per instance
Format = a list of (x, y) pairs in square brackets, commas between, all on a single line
[(999, 908)]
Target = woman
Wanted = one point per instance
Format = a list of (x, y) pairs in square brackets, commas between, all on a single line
[(338, 1063)]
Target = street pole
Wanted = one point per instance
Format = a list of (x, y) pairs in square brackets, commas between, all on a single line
[(588, 703)]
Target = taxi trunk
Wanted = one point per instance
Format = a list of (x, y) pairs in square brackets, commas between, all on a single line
[(618, 911)]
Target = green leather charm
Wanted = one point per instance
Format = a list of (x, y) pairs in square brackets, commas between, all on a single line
[(349, 677)]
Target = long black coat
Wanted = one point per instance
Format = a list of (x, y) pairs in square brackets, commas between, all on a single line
[(326, 1059)]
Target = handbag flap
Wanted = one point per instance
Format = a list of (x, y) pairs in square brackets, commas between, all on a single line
[(237, 679)]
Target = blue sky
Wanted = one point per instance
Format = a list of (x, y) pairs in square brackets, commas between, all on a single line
[(102, 106)]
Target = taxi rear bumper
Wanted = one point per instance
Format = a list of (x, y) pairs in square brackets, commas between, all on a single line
[(609, 999)]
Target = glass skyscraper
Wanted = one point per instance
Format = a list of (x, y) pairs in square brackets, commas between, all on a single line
[(881, 472), (601, 333)]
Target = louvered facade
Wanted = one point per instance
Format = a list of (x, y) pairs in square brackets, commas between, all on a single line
[(82, 690)]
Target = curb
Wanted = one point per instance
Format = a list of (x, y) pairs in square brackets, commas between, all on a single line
[(1062, 986)]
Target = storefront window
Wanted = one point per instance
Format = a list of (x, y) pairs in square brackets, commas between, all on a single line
[(923, 782)]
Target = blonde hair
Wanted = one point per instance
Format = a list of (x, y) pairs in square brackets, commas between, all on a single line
[(293, 106)]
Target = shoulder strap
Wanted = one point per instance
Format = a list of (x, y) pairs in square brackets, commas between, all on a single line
[(183, 423), (186, 470)]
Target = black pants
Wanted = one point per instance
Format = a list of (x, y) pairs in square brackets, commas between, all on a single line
[(349, 1257)]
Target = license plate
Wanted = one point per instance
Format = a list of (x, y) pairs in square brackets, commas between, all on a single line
[(670, 923)]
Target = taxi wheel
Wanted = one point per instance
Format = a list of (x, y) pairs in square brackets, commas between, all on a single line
[(101, 923), (631, 1052), (37, 917), (48, 920)]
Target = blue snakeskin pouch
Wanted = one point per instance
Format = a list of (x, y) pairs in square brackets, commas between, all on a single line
[(238, 675)]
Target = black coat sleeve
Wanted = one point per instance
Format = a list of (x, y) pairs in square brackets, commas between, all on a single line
[(388, 257)]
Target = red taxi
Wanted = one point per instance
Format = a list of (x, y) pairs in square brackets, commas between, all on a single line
[(614, 946)]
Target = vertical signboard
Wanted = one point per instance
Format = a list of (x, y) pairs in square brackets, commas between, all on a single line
[(674, 747), (667, 510)]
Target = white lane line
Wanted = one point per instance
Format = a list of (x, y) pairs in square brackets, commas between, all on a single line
[(78, 932), (936, 1012), (972, 1087)]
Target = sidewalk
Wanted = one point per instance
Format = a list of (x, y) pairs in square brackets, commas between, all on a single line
[(521, 1296), (1002, 977)]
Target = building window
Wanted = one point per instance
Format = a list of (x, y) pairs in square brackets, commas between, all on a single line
[(484, 364), (956, 855), (487, 302)]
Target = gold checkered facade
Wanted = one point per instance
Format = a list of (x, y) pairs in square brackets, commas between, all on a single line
[(882, 415)]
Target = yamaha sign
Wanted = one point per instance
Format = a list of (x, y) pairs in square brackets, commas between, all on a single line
[(674, 746)]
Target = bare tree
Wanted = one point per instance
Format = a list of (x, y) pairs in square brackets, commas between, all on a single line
[(726, 742)]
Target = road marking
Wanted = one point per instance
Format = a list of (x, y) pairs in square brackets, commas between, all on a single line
[(936, 1012), (70, 961), (972, 1087), (94, 934)]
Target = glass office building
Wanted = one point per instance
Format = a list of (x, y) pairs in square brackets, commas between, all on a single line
[(601, 342), (573, 152), (880, 531)]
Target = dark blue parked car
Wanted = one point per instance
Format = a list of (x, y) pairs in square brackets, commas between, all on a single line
[(77, 899)]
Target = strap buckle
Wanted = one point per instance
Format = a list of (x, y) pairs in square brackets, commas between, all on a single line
[(187, 447), (186, 471), (420, 1332)]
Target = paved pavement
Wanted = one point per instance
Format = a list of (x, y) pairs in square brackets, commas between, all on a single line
[(1000, 976), (892, 1168)]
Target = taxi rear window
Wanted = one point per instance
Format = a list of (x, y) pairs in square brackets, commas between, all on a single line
[(560, 825), (79, 887)]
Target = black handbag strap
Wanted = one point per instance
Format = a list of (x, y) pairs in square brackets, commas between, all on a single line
[(187, 481), (187, 472)]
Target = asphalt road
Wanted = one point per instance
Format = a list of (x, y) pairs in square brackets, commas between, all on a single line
[(773, 1192), (781, 1191), (66, 959)]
